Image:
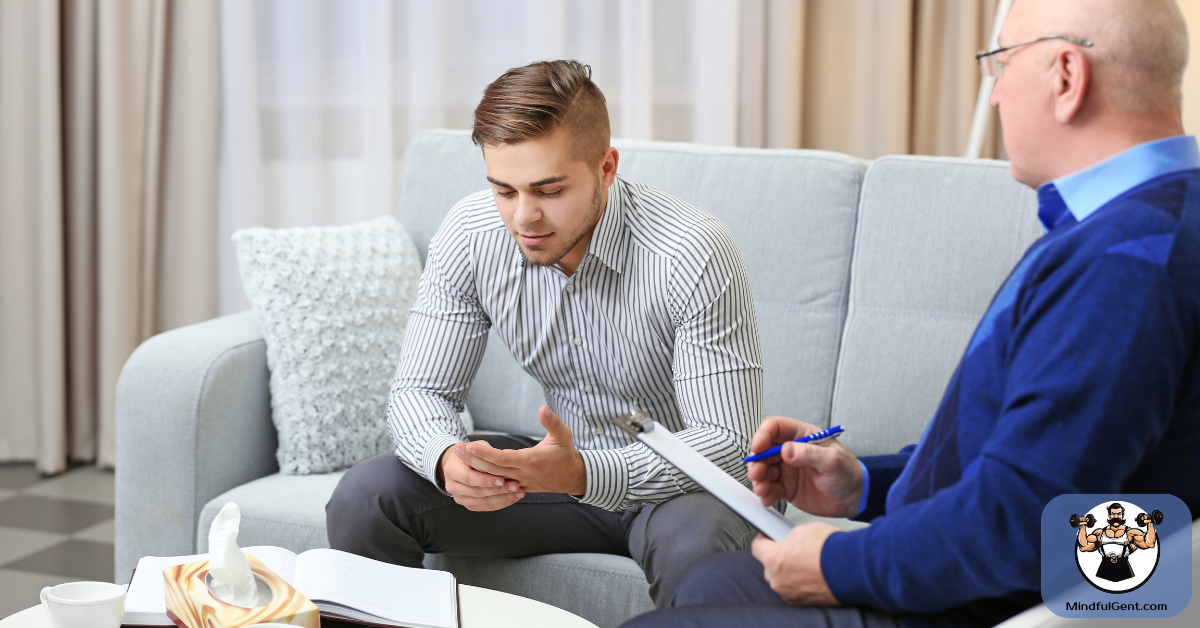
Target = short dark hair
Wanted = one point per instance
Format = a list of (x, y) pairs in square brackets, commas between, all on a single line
[(1114, 506), (530, 101)]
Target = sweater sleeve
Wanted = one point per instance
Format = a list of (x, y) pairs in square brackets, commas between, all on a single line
[(879, 472), (1091, 375)]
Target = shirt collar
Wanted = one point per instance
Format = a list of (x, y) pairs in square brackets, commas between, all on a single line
[(609, 241), (1085, 191)]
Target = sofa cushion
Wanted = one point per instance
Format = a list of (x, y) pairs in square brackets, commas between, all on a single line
[(791, 211), (332, 303), (936, 237), (286, 511)]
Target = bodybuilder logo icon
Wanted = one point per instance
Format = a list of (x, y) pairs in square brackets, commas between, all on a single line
[(1117, 558)]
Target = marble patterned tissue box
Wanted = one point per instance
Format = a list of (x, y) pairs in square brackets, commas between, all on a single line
[(190, 604)]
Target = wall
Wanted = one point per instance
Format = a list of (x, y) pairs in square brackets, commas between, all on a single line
[(1191, 78)]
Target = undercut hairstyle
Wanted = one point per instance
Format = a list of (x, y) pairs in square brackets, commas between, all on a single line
[(532, 101), (1116, 506)]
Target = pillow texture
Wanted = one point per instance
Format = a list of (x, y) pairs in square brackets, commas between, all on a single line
[(332, 303)]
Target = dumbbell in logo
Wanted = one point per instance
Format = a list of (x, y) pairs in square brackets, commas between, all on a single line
[(1116, 558)]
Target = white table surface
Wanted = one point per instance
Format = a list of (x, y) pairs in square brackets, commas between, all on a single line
[(478, 608)]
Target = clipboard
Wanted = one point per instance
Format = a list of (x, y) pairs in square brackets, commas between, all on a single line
[(732, 493)]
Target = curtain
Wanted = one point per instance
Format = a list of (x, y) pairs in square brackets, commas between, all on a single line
[(108, 203), (320, 97)]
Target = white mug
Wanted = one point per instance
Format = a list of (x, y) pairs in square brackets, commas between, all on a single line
[(85, 605)]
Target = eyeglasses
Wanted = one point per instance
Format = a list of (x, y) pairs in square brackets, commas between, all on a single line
[(990, 64)]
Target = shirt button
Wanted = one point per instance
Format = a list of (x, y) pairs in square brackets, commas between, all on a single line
[(577, 341), (599, 430), (587, 388), (570, 287)]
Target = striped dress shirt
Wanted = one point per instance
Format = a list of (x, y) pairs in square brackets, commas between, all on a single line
[(658, 315)]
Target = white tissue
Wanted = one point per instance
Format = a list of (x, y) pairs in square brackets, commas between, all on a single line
[(232, 580)]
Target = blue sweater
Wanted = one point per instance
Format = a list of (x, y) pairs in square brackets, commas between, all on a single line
[(1083, 377)]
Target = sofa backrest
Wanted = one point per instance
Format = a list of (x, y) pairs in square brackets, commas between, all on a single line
[(936, 238), (791, 211)]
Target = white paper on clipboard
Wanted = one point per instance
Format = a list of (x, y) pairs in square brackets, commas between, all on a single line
[(742, 500)]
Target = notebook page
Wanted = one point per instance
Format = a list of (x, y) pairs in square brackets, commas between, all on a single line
[(146, 593), (277, 559), (400, 594)]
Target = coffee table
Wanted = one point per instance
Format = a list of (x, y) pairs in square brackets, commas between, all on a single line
[(478, 608)]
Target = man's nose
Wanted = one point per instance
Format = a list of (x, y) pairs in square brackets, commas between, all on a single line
[(528, 209), (994, 100)]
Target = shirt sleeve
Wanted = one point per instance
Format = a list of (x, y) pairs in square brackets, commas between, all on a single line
[(717, 372), (1096, 363), (443, 346)]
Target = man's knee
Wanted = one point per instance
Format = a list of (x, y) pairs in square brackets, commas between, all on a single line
[(697, 524), (360, 503), (728, 577), (678, 532)]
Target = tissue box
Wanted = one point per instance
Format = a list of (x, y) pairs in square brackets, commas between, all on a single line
[(190, 604)]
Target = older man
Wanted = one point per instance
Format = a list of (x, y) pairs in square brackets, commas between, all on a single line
[(1083, 376)]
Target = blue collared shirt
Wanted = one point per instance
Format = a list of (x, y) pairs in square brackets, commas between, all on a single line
[(1079, 194)]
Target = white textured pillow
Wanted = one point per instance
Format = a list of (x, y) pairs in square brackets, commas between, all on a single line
[(332, 303)]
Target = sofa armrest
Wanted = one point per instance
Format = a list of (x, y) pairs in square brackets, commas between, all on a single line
[(193, 421)]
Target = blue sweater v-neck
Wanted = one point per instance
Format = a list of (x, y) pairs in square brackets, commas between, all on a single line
[(1082, 377)]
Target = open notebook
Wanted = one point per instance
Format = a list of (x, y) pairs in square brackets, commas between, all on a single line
[(342, 585)]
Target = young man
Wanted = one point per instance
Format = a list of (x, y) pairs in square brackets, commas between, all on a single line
[(612, 295), (1082, 377)]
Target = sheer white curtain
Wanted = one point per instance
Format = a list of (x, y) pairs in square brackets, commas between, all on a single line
[(320, 97)]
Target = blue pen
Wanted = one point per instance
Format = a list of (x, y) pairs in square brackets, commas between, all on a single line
[(811, 438)]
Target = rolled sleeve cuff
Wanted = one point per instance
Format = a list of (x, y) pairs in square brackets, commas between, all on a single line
[(842, 560), (434, 448), (607, 478)]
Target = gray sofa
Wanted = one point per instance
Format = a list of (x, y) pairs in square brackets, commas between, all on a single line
[(868, 280)]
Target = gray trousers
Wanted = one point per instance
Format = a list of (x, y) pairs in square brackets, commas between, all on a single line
[(383, 510)]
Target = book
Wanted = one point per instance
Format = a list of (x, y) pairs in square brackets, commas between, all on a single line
[(344, 586)]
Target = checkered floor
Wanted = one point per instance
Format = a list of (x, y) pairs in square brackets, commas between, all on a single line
[(52, 530)]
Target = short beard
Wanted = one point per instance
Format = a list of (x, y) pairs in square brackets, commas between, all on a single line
[(541, 257)]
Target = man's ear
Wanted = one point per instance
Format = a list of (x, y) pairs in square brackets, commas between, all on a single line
[(1072, 80), (608, 166)]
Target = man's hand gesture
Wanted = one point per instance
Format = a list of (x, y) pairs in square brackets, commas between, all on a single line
[(821, 478), (551, 466), (480, 492)]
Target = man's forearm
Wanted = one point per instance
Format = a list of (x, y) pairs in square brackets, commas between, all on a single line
[(618, 479), (889, 563), (424, 427)]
